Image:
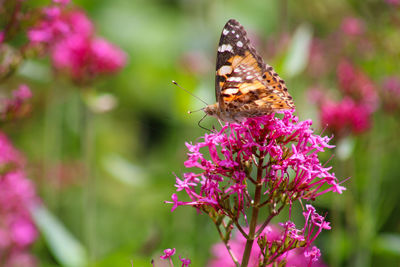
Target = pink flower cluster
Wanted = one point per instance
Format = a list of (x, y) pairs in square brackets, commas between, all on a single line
[(351, 114), (284, 153), (17, 105), (17, 194), (277, 244), (68, 35), (289, 145)]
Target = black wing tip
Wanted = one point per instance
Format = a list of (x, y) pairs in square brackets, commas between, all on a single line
[(233, 22)]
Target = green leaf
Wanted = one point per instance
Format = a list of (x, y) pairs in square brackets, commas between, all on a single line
[(64, 247), (123, 170), (299, 50), (388, 243)]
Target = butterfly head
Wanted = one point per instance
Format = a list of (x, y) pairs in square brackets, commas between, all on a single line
[(212, 110)]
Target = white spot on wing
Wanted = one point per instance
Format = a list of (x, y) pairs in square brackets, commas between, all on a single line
[(235, 79), (239, 43), (225, 47), (249, 77), (231, 91), (225, 32), (233, 31), (224, 70)]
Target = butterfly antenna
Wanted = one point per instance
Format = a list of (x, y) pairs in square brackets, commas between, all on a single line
[(189, 92), (190, 111)]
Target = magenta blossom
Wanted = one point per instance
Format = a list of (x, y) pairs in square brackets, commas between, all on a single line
[(393, 2), (274, 237), (62, 2), (263, 164), (344, 117), (352, 26), (68, 36), (288, 147), (356, 84), (353, 113), (168, 253), (17, 195), (17, 105), (391, 93), (185, 262)]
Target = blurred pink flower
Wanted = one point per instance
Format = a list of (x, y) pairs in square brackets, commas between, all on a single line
[(63, 2), (21, 259), (344, 117), (391, 93), (168, 253), (23, 232), (68, 36), (107, 58), (185, 262), (358, 85), (391, 85), (17, 195), (17, 105), (23, 92), (393, 2), (318, 59), (352, 26), (294, 257)]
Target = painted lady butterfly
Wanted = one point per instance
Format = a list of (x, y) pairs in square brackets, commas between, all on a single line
[(244, 85)]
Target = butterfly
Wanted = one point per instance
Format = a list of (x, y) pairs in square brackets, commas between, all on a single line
[(245, 86)]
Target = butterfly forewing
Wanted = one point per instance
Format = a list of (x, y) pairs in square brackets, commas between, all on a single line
[(245, 86)]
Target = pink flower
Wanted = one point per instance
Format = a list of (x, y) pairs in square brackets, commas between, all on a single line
[(357, 85), (17, 195), (352, 26), (391, 93), (23, 232), (185, 262), (69, 38), (16, 106), (168, 253), (345, 117), (71, 54), (393, 2), (222, 176), (19, 259), (107, 58), (23, 92), (274, 236), (352, 114), (318, 63), (284, 153), (1, 37), (79, 23), (63, 2)]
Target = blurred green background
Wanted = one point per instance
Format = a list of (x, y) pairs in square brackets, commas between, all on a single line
[(105, 175)]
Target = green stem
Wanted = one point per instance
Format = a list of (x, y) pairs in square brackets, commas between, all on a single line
[(254, 216), (87, 141), (228, 247)]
